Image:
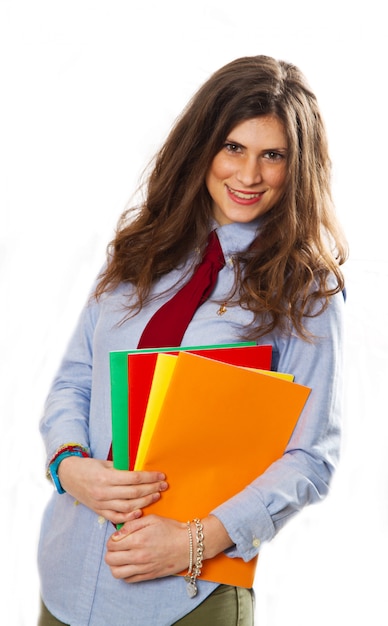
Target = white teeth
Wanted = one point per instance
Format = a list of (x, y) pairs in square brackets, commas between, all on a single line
[(244, 196), (247, 196)]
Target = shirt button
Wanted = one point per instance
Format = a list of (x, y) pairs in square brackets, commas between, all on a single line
[(256, 542), (101, 520)]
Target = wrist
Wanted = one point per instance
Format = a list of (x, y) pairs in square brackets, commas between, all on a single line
[(63, 452), (206, 538), (217, 538)]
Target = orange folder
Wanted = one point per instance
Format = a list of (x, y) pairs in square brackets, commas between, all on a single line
[(141, 366), (217, 428)]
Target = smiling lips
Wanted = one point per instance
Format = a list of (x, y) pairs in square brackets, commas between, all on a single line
[(244, 197)]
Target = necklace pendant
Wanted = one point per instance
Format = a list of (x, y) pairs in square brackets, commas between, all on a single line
[(222, 309)]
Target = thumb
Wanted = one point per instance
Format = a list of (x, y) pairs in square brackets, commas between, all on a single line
[(123, 530)]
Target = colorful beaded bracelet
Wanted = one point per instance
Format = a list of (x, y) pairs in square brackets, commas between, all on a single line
[(64, 451)]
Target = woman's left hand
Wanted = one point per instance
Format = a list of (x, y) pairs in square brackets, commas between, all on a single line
[(148, 547)]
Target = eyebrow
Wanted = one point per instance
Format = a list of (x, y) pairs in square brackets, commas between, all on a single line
[(240, 145)]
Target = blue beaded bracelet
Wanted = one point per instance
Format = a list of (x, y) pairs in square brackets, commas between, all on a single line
[(53, 467)]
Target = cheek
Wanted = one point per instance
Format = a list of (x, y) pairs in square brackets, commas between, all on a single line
[(220, 168), (278, 179)]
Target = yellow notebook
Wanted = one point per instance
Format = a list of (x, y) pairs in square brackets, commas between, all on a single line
[(215, 427), (162, 376)]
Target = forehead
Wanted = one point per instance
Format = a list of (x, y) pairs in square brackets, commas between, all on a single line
[(262, 129)]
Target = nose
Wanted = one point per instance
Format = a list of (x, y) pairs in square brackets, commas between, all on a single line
[(249, 172)]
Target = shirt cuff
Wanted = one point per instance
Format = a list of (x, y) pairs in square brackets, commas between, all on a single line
[(250, 529)]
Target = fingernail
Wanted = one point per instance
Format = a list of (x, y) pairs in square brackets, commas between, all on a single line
[(119, 534), (163, 486)]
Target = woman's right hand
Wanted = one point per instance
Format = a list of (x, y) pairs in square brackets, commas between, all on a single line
[(113, 494)]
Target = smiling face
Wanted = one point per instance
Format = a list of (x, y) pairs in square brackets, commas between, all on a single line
[(247, 176)]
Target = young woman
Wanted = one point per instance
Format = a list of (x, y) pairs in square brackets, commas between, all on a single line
[(248, 158)]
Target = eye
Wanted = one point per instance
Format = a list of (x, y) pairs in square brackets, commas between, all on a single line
[(233, 148), (272, 155)]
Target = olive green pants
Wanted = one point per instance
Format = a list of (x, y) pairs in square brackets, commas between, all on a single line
[(226, 606)]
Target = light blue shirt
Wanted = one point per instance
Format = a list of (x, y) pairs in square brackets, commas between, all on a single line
[(76, 584)]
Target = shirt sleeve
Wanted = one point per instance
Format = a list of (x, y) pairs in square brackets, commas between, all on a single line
[(66, 412), (302, 475)]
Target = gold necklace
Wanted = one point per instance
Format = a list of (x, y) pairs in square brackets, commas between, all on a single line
[(222, 309)]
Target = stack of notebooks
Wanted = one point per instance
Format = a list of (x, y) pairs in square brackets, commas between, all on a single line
[(212, 418)]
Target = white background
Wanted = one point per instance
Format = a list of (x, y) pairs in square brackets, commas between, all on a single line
[(89, 90)]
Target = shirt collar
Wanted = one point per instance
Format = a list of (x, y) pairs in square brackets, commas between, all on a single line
[(237, 236)]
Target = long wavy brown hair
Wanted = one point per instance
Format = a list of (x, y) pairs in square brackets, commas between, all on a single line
[(286, 272)]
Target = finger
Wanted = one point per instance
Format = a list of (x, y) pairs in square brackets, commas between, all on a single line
[(125, 499), (124, 477), (130, 573), (135, 573), (121, 533), (126, 531), (120, 518), (119, 511), (124, 566), (136, 491)]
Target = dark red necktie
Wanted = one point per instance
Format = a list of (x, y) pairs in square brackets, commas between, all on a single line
[(167, 326)]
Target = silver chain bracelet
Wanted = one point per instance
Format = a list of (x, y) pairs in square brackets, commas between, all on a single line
[(195, 568)]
